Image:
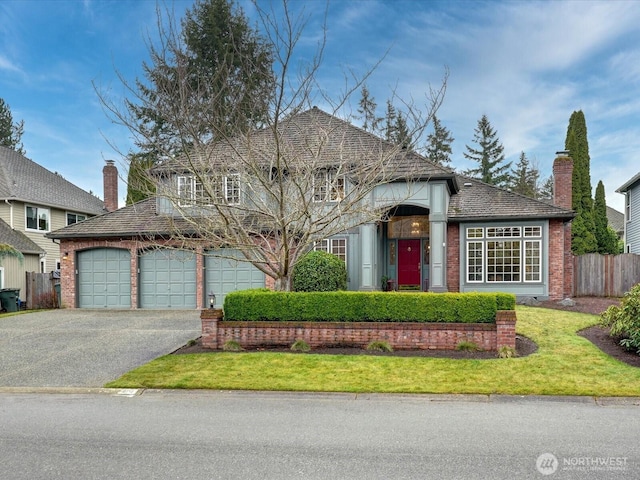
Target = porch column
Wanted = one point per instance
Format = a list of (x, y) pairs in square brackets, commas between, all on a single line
[(438, 248), (368, 257)]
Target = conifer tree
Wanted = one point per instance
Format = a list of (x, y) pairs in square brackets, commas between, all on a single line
[(525, 178), (367, 110), (583, 239), (10, 132), (439, 144), (606, 237), (489, 155)]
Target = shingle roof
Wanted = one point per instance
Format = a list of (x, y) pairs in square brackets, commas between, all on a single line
[(17, 240), (471, 199), (477, 201), (24, 180), (318, 137), (615, 220), (137, 220)]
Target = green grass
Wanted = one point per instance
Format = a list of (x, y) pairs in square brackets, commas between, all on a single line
[(565, 364)]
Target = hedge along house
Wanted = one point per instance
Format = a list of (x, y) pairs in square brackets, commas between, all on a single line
[(436, 230)]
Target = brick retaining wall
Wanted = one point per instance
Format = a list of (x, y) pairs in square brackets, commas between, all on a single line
[(400, 335)]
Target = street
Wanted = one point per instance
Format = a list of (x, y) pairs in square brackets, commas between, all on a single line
[(270, 435)]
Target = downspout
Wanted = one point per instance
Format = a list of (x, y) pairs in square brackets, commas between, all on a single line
[(10, 212)]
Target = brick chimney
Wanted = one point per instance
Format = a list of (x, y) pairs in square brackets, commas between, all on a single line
[(110, 177), (563, 180)]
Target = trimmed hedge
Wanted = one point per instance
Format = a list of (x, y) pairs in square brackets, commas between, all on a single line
[(266, 305), (319, 271)]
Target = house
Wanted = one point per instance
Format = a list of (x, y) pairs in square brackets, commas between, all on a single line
[(631, 192), (615, 220), (33, 202), (440, 232)]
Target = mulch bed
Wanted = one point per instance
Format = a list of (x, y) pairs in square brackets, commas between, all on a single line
[(524, 346)]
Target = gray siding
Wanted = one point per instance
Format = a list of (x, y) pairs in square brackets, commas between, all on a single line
[(633, 222)]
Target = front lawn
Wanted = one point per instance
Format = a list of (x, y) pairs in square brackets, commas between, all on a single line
[(565, 364)]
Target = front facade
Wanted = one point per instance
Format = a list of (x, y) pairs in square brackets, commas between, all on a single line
[(33, 203), (446, 233), (631, 192)]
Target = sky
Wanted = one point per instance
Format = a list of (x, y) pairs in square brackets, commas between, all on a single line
[(526, 65)]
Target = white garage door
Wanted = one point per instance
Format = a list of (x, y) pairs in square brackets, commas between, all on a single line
[(167, 279), (225, 274), (104, 278)]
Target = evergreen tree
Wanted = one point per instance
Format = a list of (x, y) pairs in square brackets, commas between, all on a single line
[(402, 135), (367, 110), (606, 237), (439, 144), (217, 68), (391, 122), (139, 184), (489, 155), (583, 239), (10, 133), (525, 178), (545, 192)]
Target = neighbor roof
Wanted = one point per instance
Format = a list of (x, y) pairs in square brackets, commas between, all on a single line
[(18, 240), (24, 180), (630, 184), (615, 219), (479, 201)]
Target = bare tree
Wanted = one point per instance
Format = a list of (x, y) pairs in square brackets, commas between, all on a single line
[(272, 193)]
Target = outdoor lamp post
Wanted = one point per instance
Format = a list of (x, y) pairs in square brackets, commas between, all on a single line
[(212, 299)]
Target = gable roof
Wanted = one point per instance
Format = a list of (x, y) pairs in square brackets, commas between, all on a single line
[(615, 220), (24, 180), (477, 201), (630, 184), (18, 240)]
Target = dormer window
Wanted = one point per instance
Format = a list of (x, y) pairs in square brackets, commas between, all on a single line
[(328, 186)]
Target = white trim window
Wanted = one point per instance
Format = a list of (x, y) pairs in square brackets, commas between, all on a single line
[(191, 190), (75, 218), (328, 186), (37, 218), (509, 254), (335, 246)]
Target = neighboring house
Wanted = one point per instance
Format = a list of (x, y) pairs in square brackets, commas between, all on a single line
[(450, 233), (33, 202), (631, 192), (615, 220)]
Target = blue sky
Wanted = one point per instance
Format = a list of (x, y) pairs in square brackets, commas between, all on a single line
[(526, 65)]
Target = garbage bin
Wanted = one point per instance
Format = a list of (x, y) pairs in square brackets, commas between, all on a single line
[(9, 299)]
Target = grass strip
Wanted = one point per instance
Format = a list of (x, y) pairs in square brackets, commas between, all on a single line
[(565, 364)]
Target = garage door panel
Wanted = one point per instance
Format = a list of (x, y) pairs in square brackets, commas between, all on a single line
[(225, 275), (167, 279), (104, 279)]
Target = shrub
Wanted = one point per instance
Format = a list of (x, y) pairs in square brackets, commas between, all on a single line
[(467, 346), (319, 272), (507, 352), (256, 305), (232, 346), (300, 346), (379, 346), (624, 320)]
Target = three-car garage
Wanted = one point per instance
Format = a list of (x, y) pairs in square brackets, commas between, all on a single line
[(164, 278)]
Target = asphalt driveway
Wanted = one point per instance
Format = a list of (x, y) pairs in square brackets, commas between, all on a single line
[(87, 348)]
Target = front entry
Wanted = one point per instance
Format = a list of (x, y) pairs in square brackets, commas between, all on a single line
[(409, 264)]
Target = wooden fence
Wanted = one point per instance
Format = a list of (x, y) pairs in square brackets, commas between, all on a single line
[(41, 290), (598, 275)]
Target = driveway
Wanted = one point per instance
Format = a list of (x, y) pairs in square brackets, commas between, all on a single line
[(87, 348)]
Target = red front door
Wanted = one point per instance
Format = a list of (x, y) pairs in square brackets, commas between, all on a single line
[(409, 263)]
